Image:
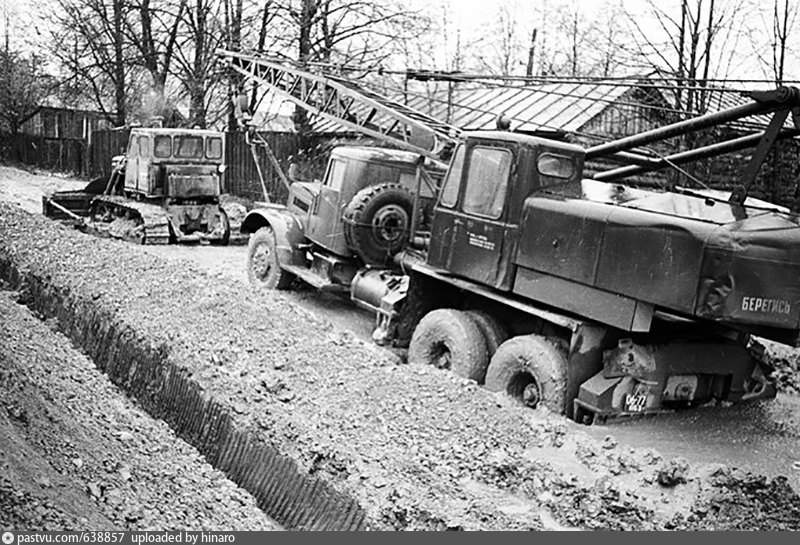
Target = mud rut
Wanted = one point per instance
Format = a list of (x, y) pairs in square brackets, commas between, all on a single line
[(327, 432)]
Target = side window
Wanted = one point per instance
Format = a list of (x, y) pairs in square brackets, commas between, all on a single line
[(382, 173), (133, 148), (144, 146), (336, 172), (557, 166), (487, 181), (452, 182), (214, 148), (163, 146)]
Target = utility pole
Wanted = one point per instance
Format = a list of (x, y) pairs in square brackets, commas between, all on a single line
[(7, 46), (531, 53)]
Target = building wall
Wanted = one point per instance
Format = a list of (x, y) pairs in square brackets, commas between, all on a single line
[(65, 123)]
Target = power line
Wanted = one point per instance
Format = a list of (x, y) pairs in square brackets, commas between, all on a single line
[(441, 75)]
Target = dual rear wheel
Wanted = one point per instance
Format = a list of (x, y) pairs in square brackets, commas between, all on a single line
[(474, 345)]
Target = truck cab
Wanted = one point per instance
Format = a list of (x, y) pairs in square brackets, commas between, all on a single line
[(350, 170), (476, 226)]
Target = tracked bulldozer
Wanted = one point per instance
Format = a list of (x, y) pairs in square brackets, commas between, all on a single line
[(166, 188)]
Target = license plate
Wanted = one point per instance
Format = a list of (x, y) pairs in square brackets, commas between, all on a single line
[(635, 403)]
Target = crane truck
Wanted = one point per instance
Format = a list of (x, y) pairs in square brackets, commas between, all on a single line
[(586, 296)]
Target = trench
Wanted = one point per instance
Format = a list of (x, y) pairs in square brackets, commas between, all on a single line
[(295, 500)]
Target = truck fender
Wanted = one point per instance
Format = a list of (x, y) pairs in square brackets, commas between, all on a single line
[(289, 232)]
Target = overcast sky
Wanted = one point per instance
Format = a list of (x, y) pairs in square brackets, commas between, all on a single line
[(471, 17)]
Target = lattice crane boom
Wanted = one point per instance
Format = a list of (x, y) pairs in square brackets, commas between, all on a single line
[(349, 105)]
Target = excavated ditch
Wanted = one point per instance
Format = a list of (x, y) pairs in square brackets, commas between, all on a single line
[(327, 432), (167, 391)]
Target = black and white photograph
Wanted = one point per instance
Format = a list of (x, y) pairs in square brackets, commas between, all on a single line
[(398, 265)]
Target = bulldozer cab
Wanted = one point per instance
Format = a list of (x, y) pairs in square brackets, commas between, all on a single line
[(177, 163), (476, 224)]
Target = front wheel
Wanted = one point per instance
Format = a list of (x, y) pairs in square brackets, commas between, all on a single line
[(531, 369), (263, 265)]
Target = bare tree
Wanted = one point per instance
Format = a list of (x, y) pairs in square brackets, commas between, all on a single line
[(777, 23), (363, 33), (89, 42), (154, 34), (201, 34), (23, 88), (783, 20), (694, 46)]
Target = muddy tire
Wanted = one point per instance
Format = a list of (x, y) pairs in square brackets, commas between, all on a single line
[(494, 332), (263, 265), (377, 222), (531, 369), (449, 339), (226, 236)]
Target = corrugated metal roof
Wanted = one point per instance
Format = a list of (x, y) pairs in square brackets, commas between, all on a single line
[(548, 107), (566, 107)]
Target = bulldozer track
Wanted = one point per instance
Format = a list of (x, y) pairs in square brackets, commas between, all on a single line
[(154, 219)]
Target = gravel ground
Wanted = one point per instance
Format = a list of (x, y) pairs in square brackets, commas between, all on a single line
[(27, 187), (77, 454), (417, 447)]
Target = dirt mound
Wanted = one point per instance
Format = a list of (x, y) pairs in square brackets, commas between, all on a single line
[(742, 501), (786, 365), (77, 454)]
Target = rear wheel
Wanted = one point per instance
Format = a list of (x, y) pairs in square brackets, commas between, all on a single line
[(263, 266), (531, 369), (494, 332), (449, 339)]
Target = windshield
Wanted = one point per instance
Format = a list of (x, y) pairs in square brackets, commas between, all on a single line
[(453, 181), (188, 147)]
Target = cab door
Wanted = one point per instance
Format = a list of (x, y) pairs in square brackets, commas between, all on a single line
[(470, 228), (132, 163), (144, 180), (324, 225)]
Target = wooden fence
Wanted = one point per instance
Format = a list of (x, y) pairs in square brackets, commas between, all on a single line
[(103, 146), (60, 154), (241, 176)]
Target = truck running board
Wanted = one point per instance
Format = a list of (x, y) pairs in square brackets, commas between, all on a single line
[(310, 277)]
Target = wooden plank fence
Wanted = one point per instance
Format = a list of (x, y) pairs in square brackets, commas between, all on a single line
[(91, 158), (241, 176), (103, 146), (59, 154)]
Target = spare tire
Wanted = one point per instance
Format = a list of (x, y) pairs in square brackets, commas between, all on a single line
[(377, 222)]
